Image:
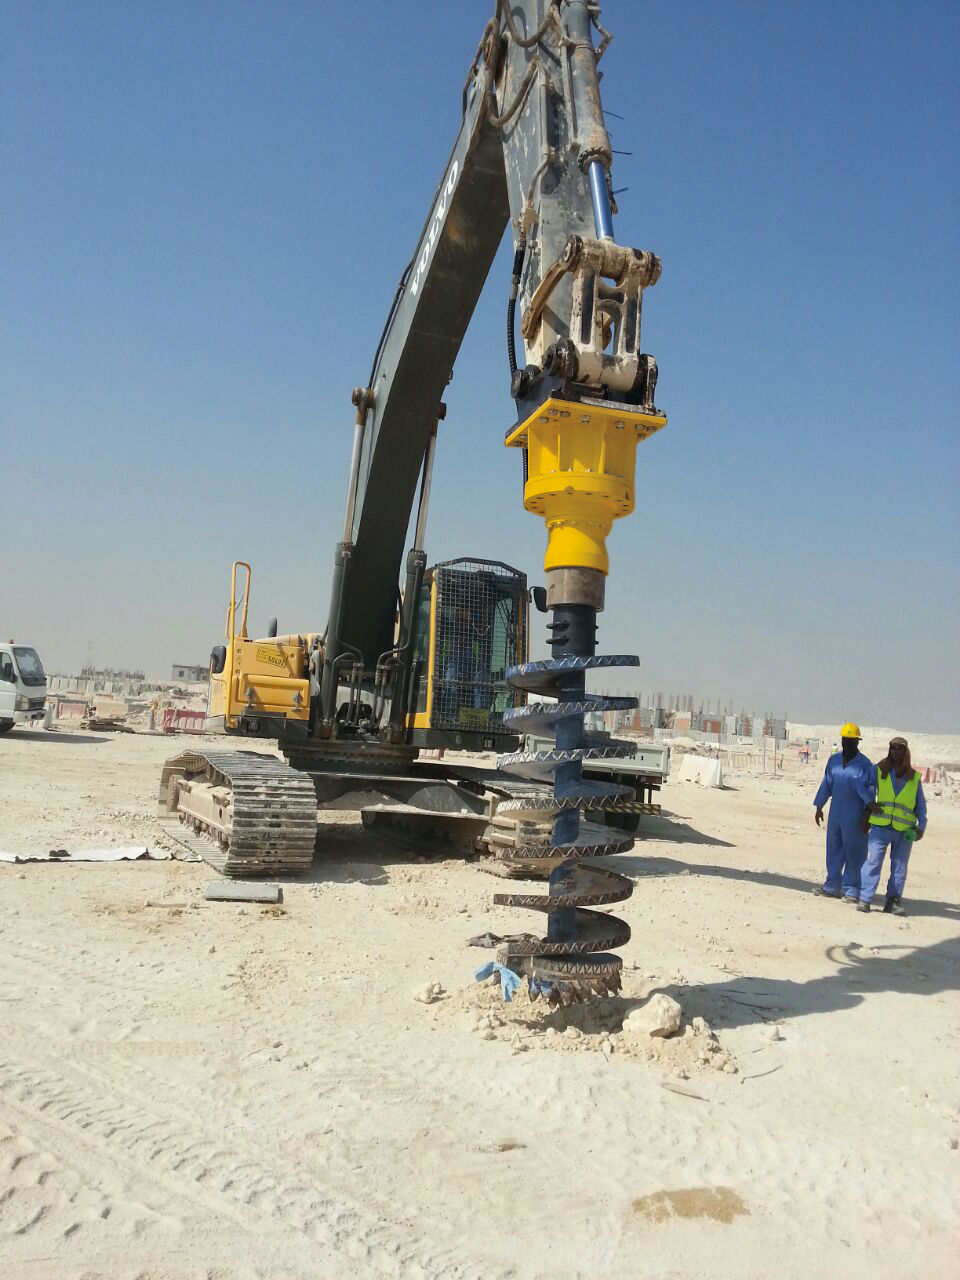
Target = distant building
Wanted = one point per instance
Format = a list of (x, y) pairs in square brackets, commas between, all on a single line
[(121, 682), (774, 728), (192, 675), (109, 673)]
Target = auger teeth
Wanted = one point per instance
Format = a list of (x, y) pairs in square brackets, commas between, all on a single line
[(575, 952)]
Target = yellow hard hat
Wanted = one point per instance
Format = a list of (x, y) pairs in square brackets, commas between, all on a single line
[(850, 730)]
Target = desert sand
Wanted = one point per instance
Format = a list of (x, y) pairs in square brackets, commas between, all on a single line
[(228, 1092)]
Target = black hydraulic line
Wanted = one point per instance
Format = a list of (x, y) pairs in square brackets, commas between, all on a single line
[(389, 321), (498, 121), (512, 303), (416, 566), (525, 42), (518, 257), (607, 37), (488, 30), (336, 649)]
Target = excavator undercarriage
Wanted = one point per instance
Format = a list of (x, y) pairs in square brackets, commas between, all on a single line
[(244, 812)]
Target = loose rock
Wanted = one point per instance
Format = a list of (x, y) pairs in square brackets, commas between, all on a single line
[(428, 994), (660, 1016)]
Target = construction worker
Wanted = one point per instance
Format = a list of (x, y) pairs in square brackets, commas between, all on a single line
[(848, 783), (897, 818)]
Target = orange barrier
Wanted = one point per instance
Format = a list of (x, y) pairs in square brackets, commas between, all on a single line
[(69, 710), (180, 720)]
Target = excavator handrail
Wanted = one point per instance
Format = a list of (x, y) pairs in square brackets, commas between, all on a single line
[(232, 634)]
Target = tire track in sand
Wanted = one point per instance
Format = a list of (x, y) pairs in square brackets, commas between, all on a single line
[(226, 1179)]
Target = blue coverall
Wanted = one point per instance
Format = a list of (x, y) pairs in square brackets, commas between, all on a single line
[(900, 847), (849, 788)]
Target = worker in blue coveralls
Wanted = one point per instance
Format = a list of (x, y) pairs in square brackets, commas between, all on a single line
[(848, 783), (898, 818)]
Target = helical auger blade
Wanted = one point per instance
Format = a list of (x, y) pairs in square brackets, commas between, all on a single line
[(574, 961)]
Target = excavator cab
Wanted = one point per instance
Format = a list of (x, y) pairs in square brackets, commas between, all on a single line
[(471, 627)]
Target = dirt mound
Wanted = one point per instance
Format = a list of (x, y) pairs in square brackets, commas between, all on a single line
[(596, 1027)]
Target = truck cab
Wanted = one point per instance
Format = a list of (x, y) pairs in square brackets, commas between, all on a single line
[(23, 685)]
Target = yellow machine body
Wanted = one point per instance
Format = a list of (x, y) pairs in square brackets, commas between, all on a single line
[(266, 677), (580, 474), (427, 636), (471, 626)]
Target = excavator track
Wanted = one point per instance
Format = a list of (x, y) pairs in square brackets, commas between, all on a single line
[(245, 813)]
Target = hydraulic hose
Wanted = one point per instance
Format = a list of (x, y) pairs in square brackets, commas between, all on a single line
[(512, 303), (503, 8)]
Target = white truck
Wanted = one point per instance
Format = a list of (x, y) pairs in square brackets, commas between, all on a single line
[(23, 685)]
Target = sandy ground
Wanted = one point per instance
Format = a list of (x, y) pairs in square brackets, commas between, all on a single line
[(226, 1092)]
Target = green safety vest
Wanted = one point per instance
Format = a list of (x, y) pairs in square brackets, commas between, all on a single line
[(900, 810)]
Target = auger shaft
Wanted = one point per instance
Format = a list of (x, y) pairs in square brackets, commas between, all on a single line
[(574, 630)]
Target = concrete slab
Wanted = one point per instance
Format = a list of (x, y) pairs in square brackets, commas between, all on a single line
[(242, 891)]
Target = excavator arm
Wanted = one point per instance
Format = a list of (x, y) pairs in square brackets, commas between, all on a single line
[(532, 150)]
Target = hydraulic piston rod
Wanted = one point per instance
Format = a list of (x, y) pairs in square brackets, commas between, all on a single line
[(600, 198)]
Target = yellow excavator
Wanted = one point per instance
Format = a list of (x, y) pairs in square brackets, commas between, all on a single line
[(251, 814), (417, 657)]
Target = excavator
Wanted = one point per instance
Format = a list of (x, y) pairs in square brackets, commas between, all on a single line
[(415, 657)]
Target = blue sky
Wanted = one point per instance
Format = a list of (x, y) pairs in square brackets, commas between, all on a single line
[(204, 211)]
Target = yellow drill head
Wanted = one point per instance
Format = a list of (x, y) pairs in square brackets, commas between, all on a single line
[(580, 475)]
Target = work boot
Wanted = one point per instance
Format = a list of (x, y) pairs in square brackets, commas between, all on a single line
[(848, 897), (863, 906), (893, 905), (825, 893)]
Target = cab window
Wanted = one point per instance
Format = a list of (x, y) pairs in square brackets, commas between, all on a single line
[(31, 669)]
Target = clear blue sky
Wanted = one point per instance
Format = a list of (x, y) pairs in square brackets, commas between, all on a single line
[(206, 207)]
